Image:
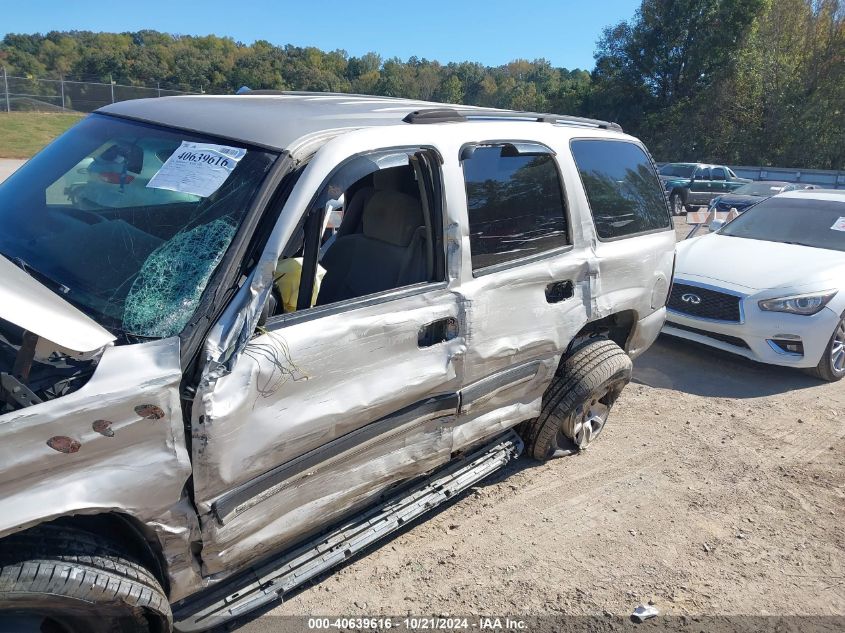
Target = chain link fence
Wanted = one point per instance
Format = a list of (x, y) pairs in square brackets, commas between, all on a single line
[(25, 94)]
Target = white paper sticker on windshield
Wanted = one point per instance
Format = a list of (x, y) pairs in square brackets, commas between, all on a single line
[(839, 225), (197, 168)]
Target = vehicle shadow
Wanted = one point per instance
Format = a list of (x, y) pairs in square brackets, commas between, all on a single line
[(258, 621), (673, 363)]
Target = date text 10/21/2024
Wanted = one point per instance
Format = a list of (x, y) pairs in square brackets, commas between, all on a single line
[(419, 623)]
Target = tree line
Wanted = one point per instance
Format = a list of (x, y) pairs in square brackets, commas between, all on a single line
[(724, 81)]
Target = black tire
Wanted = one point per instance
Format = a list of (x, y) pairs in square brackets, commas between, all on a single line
[(826, 369), (56, 579), (591, 380)]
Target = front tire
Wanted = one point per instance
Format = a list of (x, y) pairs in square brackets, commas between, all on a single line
[(831, 367), (578, 401), (57, 579)]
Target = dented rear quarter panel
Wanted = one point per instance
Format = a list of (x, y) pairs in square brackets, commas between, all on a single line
[(625, 272)]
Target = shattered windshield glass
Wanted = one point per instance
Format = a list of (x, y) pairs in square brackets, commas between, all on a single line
[(128, 221)]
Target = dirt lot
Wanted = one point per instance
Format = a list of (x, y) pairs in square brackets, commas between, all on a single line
[(718, 487)]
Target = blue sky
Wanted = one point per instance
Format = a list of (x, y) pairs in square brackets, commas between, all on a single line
[(492, 32)]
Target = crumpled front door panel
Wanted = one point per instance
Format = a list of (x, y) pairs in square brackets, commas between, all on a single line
[(294, 392)]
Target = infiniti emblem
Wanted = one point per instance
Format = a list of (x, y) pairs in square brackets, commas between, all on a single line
[(691, 298)]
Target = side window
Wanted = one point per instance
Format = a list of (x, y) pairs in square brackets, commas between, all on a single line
[(719, 173), (515, 203), (622, 188), (702, 173), (375, 225)]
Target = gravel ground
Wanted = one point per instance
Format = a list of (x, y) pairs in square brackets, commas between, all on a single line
[(716, 488)]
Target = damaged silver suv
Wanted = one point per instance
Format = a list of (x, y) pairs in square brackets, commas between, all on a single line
[(244, 337)]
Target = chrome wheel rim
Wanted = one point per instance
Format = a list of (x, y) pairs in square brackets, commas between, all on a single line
[(837, 348), (590, 419), (582, 426), (677, 205)]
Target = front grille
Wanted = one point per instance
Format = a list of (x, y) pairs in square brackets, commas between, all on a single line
[(711, 304), (730, 340)]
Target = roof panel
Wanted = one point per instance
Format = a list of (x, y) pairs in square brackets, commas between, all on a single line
[(279, 120), (275, 121)]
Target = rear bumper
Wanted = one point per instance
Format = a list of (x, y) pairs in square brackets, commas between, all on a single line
[(645, 332)]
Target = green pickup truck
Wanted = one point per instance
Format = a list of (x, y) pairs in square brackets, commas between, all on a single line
[(695, 184)]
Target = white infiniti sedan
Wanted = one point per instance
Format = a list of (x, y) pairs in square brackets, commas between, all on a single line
[(770, 285)]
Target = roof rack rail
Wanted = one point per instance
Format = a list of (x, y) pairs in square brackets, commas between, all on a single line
[(442, 115), (434, 115), (315, 93)]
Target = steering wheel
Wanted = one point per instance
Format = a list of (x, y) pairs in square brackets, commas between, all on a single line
[(85, 215)]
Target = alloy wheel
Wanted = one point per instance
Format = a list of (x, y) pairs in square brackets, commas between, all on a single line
[(582, 426)]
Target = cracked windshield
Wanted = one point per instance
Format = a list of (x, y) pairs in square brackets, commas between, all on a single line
[(128, 221)]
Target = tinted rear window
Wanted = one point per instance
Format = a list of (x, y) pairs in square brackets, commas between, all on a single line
[(677, 171), (515, 205), (622, 187)]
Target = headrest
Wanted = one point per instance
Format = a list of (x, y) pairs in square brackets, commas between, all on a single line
[(389, 179), (392, 217)]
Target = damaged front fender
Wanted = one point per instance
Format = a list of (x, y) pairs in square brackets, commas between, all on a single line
[(115, 445)]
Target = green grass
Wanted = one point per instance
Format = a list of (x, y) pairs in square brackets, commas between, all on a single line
[(24, 133)]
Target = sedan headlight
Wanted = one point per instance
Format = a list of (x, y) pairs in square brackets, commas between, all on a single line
[(799, 304)]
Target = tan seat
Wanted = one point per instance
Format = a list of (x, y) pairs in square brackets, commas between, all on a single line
[(387, 253)]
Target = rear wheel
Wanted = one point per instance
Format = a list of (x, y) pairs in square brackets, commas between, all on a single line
[(676, 202), (577, 403), (831, 367), (55, 579)]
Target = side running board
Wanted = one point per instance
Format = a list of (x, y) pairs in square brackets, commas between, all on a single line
[(271, 580)]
